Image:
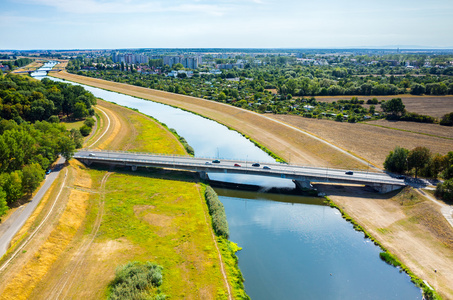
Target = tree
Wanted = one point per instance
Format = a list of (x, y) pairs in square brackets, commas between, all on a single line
[(3, 204), (67, 147), (445, 190), (89, 122), (418, 158), (12, 185), (394, 107), (396, 161), (447, 120), (85, 130), (31, 177), (80, 110), (77, 137)]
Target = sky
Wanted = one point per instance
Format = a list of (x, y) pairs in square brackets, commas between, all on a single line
[(119, 24)]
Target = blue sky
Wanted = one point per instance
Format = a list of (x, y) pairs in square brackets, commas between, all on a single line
[(105, 24)]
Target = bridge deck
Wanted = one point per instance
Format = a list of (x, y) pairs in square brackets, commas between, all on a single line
[(197, 164)]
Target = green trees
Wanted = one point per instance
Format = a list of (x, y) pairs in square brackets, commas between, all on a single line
[(3, 204), (394, 107), (418, 158), (31, 177), (447, 120), (396, 161)]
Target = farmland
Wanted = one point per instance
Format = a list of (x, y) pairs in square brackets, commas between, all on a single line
[(435, 106), (372, 142)]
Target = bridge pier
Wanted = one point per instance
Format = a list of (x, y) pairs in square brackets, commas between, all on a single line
[(87, 162), (385, 188), (134, 168), (303, 184), (203, 175)]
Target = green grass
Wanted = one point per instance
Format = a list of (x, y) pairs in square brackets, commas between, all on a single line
[(165, 220), (153, 137), (73, 124)]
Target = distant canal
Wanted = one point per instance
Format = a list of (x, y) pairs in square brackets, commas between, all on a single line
[(293, 247)]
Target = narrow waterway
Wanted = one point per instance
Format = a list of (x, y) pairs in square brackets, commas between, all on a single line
[(293, 247)]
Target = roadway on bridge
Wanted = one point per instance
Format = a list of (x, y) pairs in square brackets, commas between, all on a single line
[(265, 169)]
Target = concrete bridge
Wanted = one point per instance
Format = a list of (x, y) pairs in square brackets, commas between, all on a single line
[(302, 176), (32, 71)]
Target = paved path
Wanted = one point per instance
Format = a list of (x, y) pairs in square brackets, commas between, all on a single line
[(9, 228)]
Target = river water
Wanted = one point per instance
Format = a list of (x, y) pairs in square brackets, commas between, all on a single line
[(293, 247)]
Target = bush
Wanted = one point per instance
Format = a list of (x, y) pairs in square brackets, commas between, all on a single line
[(85, 130), (89, 122), (183, 141), (390, 259), (447, 120), (445, 190), (217, 211), (134, 280)]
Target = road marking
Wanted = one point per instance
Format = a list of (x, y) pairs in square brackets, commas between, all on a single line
[(105, 131)]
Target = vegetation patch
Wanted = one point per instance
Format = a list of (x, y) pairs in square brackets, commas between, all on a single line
[(136, 281), (217, 211)]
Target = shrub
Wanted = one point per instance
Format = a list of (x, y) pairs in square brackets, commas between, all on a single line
[(89, 122), (217, 211), (390, 259), (134, 280), (85, 130), (445, 190), (447, 120)]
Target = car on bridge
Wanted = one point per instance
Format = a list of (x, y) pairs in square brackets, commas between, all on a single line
[(208, 163), (349, 173), (255, 165), (237, 165), (216, 161), (91, 154), (266, 168)]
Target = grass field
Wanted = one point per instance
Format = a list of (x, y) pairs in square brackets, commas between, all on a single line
[(435, 106), (373, 142), (435, 130)]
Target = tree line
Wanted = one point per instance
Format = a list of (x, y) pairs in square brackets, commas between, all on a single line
[(421, 162), (31, 137)]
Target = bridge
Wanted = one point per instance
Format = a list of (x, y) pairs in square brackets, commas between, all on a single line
[(32, 71), (302, 176)]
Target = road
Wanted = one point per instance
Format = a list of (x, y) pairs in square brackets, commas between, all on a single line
[(20, 216), (228, 166)]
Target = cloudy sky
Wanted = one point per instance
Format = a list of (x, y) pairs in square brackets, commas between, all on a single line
[(105, 24)]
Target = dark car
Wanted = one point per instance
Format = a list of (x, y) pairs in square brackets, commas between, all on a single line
[(237, 165), (400, 177), (266, 168), (48, 172), (255, 165), (216, 161), (349, 173)]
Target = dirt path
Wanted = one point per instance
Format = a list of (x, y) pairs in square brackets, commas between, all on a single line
[(65, 282)]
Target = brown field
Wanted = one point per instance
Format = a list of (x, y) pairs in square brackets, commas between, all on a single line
[(371, 142), (435, 106), (423, 128), (286, 142)]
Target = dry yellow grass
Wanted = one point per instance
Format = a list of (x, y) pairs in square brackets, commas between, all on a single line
[(423, 128), (371, 142), (286, 142), (26, 280), (435, 106)]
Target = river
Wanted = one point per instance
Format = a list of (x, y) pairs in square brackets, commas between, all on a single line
[(293, 247)]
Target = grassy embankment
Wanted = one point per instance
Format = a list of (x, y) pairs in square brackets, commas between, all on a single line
[(145, 216)]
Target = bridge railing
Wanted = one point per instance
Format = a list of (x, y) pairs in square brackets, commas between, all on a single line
[(233, 160), (278, 173)]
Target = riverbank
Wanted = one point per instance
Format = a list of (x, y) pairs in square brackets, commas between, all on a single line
[(420, 257), (163, 221)]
